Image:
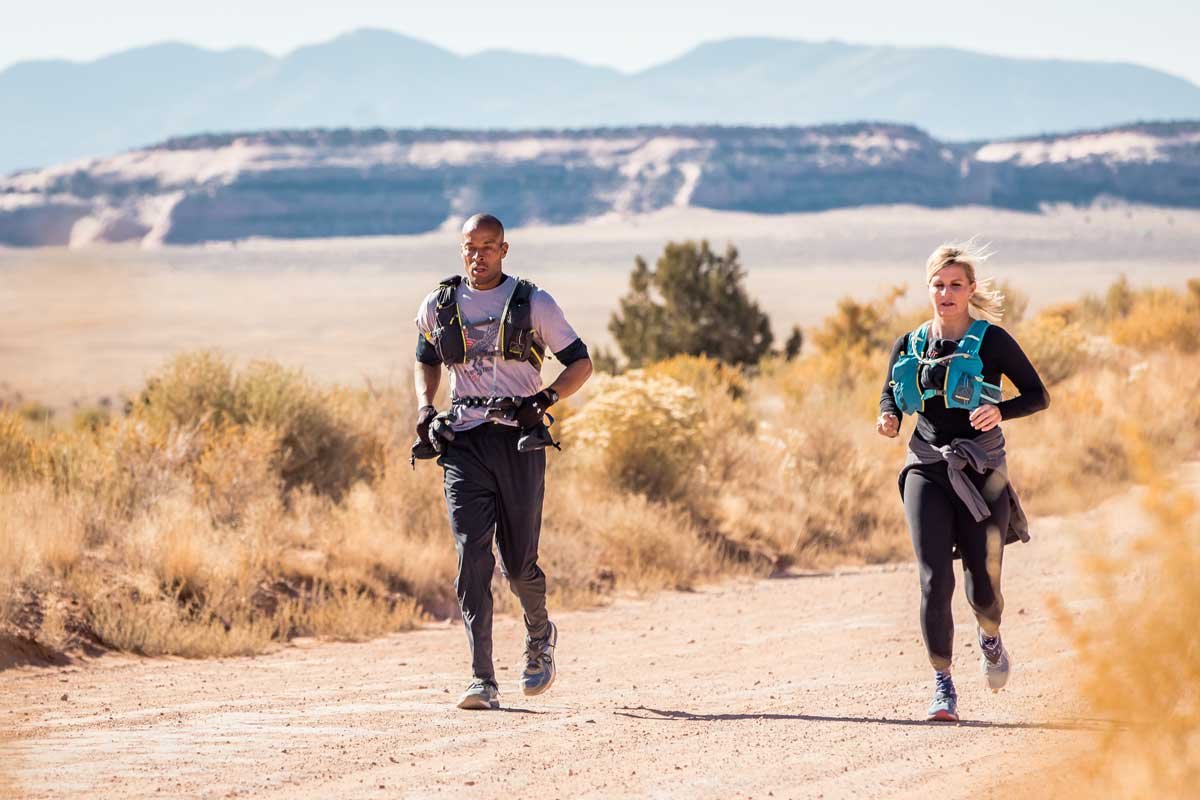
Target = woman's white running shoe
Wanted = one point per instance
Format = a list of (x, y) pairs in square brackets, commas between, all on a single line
[(994, 660), (944, 707)]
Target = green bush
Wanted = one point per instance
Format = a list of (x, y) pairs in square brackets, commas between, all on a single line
[(692, 303)]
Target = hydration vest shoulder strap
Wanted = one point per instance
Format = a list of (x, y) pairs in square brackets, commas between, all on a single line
[(973, 339), (450, 339), (516, 325), (916, 340), (448, 290)]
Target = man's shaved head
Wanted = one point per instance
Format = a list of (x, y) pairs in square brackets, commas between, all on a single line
[(483, 221), (483, 251)]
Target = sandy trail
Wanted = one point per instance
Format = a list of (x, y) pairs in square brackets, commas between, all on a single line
[(806, 686)]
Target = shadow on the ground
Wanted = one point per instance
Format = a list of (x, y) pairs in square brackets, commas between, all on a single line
[(642, 712)]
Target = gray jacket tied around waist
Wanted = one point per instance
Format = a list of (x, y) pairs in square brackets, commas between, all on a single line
[(984, 452)]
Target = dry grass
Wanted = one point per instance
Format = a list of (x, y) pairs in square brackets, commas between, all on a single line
[(230, 508), (1141, 653)]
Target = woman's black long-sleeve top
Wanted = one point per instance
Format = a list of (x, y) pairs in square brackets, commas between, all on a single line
[(1001, 355)]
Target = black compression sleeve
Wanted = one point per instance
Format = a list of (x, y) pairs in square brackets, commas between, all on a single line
[(426, 353), (1018, 368), (887, 401), (573, 352)]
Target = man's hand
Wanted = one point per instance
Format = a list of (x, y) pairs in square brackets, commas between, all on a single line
[(424, 417), (888, 425), (533, 408), (985, 418)]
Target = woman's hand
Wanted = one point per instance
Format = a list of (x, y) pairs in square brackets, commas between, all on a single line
[(888, 425), (985, 418)]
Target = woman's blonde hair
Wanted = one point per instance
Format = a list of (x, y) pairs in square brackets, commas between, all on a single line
[(987, 302)]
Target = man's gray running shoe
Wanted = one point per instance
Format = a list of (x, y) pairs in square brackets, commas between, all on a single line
[(944, 707), (539, 673), (995, 661), (480, 696)]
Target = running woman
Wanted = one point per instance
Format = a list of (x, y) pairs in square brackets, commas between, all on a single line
[(957, 497)]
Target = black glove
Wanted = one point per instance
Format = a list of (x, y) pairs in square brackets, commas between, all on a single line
[(424, 417), (441, 432), (533, 408)]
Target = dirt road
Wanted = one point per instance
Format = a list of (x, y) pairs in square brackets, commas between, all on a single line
[(805, 686)]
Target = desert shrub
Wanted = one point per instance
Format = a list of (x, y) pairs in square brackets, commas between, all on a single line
[(190, 390), (90, 419), (1078, 452), (596, 542), (352, 613), (128, 617), (704, 374), (1159, 319), (860, 325), (318, 444), (1066, 313), (827, 381), (1056, 346), (19, 454), (1016, 303), (125, 468), (638, 431), (794, 344), (726, 419), (819, 484), (35, 413), (1119, 299), (237, 468)]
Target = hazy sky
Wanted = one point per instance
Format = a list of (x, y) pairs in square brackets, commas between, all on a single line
[(620, 33)]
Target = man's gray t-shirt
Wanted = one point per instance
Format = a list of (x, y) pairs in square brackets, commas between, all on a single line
[(484, 373)]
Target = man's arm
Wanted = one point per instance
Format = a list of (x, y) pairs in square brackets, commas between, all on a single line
[(426, 379), (561, 339), (572, 378)]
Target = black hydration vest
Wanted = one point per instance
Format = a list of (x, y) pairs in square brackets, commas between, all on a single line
[(449, 338)]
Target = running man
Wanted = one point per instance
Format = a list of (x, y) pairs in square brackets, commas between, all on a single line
[(491, 331)]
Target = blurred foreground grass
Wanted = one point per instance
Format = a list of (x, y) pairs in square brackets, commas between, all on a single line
[(1139, 654)]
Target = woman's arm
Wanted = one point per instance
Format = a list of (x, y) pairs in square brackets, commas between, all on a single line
[(888, 423), (1017, 367)]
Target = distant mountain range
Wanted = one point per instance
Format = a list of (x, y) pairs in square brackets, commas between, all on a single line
[(59, 110), (320, 183)]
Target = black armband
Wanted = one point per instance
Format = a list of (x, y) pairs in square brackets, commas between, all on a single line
[(573, 352), (426, 352)]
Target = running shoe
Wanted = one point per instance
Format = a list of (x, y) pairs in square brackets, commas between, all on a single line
[(482, 695), (994, 661), (539, 673), (944, 707)]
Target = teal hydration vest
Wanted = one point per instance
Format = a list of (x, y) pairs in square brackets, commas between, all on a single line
[(964, 387)]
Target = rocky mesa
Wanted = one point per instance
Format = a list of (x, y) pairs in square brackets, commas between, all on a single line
[(323, 183)]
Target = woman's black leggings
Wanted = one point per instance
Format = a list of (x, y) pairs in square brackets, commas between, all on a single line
[(938, 520)]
